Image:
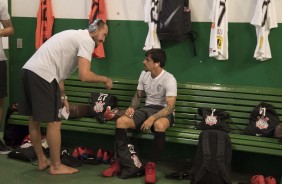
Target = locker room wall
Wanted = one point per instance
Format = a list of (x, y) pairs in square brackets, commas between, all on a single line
[(127, 34)]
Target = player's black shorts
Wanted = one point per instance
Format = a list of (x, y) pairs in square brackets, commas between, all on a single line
[(142, 113), (3, 79), (40, 99)]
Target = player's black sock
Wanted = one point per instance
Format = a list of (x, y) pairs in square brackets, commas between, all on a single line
[(120, 134), (157, 146)]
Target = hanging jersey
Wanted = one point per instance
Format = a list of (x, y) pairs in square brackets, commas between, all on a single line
[(219, 30), (264, 19), (45, 20), (98, 10), (151, 17)]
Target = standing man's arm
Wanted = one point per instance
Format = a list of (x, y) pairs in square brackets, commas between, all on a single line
[(8, 28), (64, 97), (86, 75)]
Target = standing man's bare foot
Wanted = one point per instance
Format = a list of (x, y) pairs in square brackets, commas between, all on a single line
[(62, 169), (43, 165)]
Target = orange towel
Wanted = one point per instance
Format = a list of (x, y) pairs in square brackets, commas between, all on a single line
[(45, 20), (98, 10)]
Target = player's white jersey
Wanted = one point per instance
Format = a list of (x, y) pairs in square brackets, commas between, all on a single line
[(219, 30), (151, 17), (264, 19)]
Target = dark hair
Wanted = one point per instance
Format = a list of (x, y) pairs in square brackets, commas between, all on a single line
[(157, 55)]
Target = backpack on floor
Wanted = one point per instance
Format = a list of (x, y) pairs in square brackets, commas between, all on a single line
[(129, 161), (174, 21), (212, 162), (263, 121)]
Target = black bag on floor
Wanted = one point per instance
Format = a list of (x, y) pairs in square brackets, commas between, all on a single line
[(128, 158), (213, 119), (98, 103), (263, 121), (13, 134), (25, 152), (212, 162)]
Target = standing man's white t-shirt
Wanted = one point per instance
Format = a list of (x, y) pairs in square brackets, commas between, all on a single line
[(57, 58)]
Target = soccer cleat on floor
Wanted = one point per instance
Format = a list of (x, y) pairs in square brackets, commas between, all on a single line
[(257, 179), (270, 180), (99, 155), (106, 157), (113, 170), (151, 171)]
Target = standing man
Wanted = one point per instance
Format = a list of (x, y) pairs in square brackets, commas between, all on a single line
[(43, 86), (160, 88), (7, 30)]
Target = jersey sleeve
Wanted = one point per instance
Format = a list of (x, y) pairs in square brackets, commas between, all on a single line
[(171, 87), (140, 81), (85, 49)]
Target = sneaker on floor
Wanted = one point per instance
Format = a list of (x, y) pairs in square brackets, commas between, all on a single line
[(107, 157), (3, 149), (151, 172), (270, 180), (99, 155), (257, 179), (68, 160), (113, 170)]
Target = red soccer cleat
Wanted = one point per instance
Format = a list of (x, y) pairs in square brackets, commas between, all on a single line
[(257, 179), (107, 157), (113, 170), (110, 114), (151, 171), (100, 155), (270, 180)]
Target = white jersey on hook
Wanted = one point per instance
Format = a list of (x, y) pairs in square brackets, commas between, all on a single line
[(151, 17), (218, 47), (264, 19)]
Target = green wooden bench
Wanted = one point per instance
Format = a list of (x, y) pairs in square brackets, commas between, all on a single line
[(239, 101)]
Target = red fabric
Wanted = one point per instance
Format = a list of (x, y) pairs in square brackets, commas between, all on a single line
[(98, 10), (45, 20)]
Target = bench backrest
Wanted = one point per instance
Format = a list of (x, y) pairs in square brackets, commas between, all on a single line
[(238, 101)]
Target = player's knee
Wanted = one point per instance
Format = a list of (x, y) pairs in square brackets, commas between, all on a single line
[(160, 127), (121, 122)]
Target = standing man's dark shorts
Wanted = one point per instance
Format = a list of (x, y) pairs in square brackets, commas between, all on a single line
[(40, 99), (3, 79)]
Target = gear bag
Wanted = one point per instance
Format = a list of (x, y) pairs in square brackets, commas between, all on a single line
[(212, 162), (13, 134), (98, 103), (128, 158), (213, 119), (174, 22), (263, 121)]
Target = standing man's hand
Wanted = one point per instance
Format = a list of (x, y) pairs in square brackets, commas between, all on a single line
[(109, 83)]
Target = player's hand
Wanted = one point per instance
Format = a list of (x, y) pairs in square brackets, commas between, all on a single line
[(109, 83), (148, 124), (66, 104), (129, 112)]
